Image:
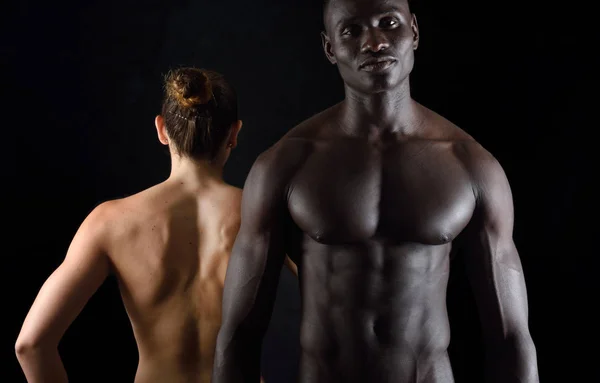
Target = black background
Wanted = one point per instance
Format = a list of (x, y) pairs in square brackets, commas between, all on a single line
[(82, 84)]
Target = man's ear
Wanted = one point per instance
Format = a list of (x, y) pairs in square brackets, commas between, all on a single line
[(327, 48), (415, 29), (159, 122)]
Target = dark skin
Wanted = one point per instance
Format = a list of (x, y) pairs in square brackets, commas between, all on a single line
[(369, 198)]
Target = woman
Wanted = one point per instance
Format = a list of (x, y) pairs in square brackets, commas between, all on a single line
[(168, 247)]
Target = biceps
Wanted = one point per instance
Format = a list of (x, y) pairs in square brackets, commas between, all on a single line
[(62, 297)]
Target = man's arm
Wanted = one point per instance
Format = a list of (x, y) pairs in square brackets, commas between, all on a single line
[(253, 270), (496, 276), (60, 300)]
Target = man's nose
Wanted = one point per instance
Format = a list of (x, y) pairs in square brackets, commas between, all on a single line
[(375, 41)]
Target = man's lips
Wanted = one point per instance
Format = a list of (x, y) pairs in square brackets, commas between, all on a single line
[(377, 64)]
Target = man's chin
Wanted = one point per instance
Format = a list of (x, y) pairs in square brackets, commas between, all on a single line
[(382, 82), (381, 86)]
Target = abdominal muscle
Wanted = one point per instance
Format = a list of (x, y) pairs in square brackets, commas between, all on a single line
[(383, 321)]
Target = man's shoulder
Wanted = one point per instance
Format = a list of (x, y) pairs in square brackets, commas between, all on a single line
[(483, 167), (297, 142), (279, 162), (475, 157), (439, 127), (465, 146), (313, 128)]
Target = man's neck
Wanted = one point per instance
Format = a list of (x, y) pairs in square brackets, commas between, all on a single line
[(392, 111)]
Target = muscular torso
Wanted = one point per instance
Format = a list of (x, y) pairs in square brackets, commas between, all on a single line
[(376, 222), (169, 248)]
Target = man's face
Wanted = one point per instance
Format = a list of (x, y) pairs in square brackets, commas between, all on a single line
[(371, 41)]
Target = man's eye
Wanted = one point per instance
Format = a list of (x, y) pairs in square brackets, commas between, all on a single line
[(352, 30), (388, 22)]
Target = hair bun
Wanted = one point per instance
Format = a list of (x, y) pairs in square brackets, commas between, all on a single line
[(189, 86)]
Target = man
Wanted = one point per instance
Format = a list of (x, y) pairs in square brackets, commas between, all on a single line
[(368, 198)]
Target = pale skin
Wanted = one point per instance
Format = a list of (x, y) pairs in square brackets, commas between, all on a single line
[(168, 247)]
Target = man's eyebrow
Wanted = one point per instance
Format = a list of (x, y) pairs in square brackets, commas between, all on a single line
[(345, 20), (391, 9), (384, 11)]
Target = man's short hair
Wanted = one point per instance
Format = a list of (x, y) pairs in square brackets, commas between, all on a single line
[(326, 3)]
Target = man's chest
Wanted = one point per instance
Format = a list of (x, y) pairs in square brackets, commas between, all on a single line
[(411, 192)]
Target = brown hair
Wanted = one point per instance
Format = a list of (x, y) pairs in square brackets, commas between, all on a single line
[(199, 108)]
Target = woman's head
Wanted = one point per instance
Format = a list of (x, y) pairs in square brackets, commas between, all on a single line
[(199, 113)]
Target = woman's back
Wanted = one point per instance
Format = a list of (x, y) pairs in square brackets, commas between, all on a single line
[(169, 247)]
